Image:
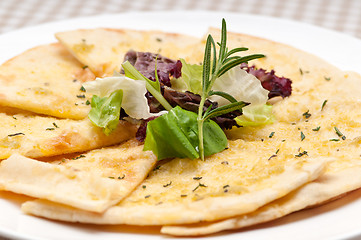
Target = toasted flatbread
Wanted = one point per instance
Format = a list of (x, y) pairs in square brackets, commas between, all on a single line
[(103, 50), (330, 98), (327, 187), (91, 181), (47, 80), (36, 136), (237, 180)]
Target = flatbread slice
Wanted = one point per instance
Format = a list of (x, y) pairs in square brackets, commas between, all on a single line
[(326, 187), (47, 80), (103, 49), (326, 107), (235, 181), (38, 136), (91, 181)]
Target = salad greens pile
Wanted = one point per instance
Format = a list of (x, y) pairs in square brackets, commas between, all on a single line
[(177, 132)]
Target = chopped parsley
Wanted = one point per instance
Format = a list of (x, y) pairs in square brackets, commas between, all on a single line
[(302, 136), (340, 134), (50, 129), (316, 129), (168, 184), (307, 114), (16, 134), (82, 89), (78, 157), (80, 96), (327, 78), (55, 125), (197, 178), (274, 155), (302, 72), (301, 154), (271, 135), (323, 104), (199, 185)]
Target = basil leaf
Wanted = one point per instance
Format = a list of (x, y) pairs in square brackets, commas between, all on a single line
[(175, 134), (105, 111)]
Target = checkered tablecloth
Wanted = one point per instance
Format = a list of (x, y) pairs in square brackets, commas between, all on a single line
[(340, 15)]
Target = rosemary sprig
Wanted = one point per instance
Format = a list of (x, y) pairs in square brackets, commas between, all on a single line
[(213, 68)]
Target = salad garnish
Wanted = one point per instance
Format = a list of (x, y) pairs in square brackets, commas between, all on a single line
[(185, 116)]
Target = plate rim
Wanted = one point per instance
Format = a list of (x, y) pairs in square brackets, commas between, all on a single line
[(13, 233)]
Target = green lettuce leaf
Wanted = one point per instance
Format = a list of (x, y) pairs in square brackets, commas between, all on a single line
[(105, 111), (135, 103), (257, 115), (191, 79), (175, 134)]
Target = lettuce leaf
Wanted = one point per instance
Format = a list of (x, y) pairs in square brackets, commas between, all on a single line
[(191, 79), (105, 111), (134, 102), (257, 115), (175, 134), (235, 82), (242, 86)]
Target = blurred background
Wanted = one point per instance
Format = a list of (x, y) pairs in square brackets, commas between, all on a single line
[(339, 15)]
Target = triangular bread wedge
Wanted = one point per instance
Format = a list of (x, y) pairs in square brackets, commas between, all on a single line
[(188, 191), (103, 49), (330, 185), (38, 136), (47, 80), (91, 181), (331, 128)]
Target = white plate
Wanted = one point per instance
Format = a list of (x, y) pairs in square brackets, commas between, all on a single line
[(336, 220)]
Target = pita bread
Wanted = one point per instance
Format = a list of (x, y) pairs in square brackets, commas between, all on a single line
[(38, 136), (237, 180), (342, 110), (45, 80), (317, 192), (91, 181), (103, 49)]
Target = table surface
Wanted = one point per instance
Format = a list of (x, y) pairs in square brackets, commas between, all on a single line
[(340, 15)]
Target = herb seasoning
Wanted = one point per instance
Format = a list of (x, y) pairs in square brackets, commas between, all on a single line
[(307, 114), (16, 134), (316, 129)]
